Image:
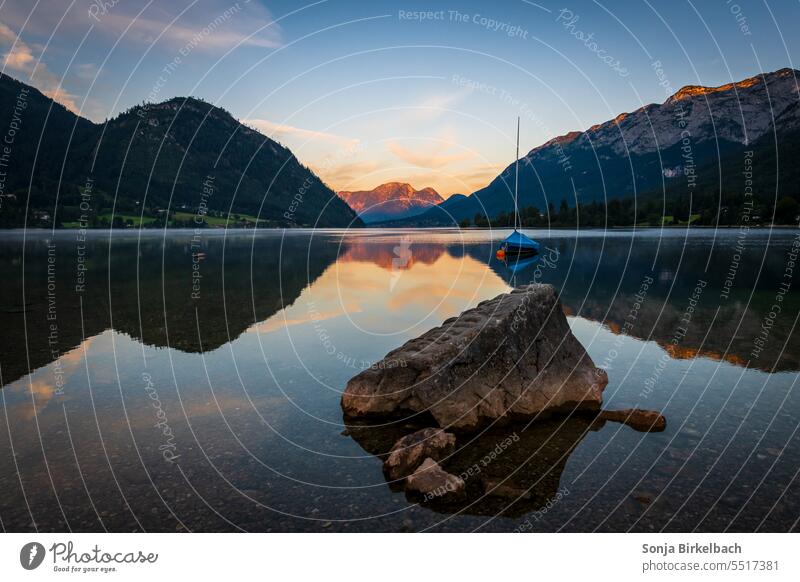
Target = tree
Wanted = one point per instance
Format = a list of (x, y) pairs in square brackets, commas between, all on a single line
[(786, 210), (563, 210), (481, 220), (680, 211)]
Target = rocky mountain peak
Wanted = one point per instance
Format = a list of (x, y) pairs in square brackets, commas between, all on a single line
[(391, 200), (739, 112)]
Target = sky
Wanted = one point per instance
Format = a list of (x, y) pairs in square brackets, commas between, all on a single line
[(367, 92)]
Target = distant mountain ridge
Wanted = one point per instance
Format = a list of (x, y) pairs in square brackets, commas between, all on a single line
[(669, 146), (393, 200), (183, 155)]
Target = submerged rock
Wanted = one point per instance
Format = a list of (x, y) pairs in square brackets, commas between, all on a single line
[(510, 470), (636, 418), (408, 453), (511, 356), (494, 487), (433, 482)]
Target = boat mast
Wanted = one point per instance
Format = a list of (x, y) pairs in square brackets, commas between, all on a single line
[(516, 180)]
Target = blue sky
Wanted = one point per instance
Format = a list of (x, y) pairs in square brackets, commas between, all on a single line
[(368, 92)]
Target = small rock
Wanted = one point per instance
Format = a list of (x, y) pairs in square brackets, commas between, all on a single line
[(434, 482), (504, 488), (637, 419), (679, 455), (408, 453)]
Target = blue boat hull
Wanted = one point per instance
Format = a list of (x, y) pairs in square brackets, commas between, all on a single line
[(519, 251), (517, 244)]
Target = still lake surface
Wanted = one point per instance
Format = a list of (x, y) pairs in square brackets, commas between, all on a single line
[(227, 354)]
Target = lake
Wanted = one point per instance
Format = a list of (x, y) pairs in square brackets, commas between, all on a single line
[(182, 380)]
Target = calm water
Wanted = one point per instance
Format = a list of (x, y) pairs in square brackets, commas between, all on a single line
[(155, 382)]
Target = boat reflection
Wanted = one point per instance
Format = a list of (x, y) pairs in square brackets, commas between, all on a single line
[(520, 263)]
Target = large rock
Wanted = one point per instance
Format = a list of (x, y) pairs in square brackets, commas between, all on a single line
[(511, 356), (433, 482), (408, 453)]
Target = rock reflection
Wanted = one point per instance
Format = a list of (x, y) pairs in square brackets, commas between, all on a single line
[(510, 471)]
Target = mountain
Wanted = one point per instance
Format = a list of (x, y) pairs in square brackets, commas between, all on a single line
[(183, 155), (676, 147), (393, 200), (437, 216)]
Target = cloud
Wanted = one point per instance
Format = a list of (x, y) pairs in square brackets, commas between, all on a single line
[(282, 130), (86, 71), (7, 36), (223, 28), (291, 316), (483, 173), (333, 155), (206, 26), (343, 176), (434, 106), (42, 383), (19, 57), (433, 157)]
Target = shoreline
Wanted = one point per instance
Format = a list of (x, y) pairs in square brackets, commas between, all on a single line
[(402, 228)]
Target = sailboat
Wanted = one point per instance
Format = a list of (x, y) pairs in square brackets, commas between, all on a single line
[(517, 244)]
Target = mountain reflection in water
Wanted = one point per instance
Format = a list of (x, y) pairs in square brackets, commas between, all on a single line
[(255, 362), (143, 288)]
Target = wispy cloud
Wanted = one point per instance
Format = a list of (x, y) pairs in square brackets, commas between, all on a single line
[(86, 71), (335, 157), (347, 176), (290, 317), (18, 57), (219, 24), (479, 176), (434, 106), (221, 31), (435, 156), (282, 131)]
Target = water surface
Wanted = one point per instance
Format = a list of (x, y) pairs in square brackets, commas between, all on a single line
[(168, 381)]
